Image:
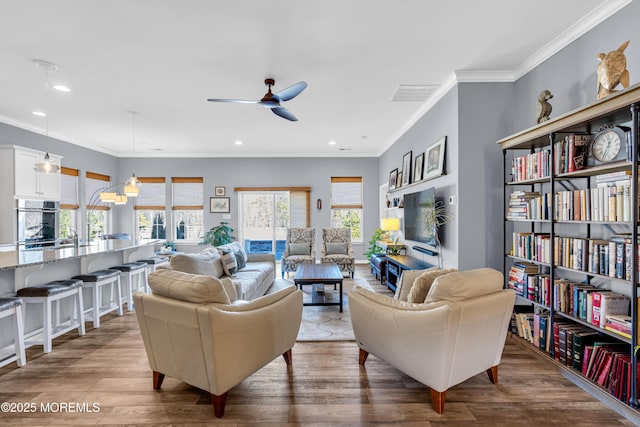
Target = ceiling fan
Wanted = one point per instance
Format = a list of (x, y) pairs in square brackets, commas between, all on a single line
[(272, 100)]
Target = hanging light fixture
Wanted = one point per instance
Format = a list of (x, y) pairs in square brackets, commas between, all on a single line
[(46, 166), (121, 199), (132, 186)]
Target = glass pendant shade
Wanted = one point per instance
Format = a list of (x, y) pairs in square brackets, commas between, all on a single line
[(132, 186), (46, 166)]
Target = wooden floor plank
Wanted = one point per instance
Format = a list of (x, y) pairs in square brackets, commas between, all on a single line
[(324, 387)]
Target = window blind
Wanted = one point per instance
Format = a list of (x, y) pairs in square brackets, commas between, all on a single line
[(346, 192), (95, 183), (153, 194), (188, 193), (69, 188), (300, 212)]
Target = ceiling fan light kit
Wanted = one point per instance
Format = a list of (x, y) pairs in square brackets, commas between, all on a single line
[(272, 100)]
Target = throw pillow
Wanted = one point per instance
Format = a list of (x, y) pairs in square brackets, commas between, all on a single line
[(463, 285), (422, 284), (229, 263), (193, 288), (336, 248), (300, 249)]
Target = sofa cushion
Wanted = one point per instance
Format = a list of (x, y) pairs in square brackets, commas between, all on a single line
[(206, 262), (195, 288), (249, 280), (463, 285), (238, 251), (405, 281), (300, 249), (422, 284), (229, 262), (336, 248)]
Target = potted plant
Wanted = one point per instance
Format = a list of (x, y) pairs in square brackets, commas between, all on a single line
[(373, 244), (167, 247), (218, 235), (435, 216)]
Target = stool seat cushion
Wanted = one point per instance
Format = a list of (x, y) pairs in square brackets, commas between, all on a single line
[(49, 289), (9, 302), (95, 276), (130, 266), (154, 260)]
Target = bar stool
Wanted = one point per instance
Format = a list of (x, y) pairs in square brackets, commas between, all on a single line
[(11, 306), (51, 294), (133, 270), (154, 262), (95, 281)]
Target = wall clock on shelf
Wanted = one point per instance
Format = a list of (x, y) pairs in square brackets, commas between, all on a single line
[(609, 144)]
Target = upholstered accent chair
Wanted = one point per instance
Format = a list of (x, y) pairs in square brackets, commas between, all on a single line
[(300, 248), (194, 331), (336, 247), (455, 333)]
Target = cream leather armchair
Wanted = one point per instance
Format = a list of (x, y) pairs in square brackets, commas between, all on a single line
[(458, 331), (193, 332)]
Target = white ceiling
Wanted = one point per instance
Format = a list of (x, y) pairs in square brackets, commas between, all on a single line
[(164, 58)]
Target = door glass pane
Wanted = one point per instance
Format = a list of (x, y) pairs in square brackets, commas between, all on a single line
[(265, 219)]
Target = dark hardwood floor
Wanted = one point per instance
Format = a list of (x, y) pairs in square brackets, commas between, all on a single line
[(325, 387)]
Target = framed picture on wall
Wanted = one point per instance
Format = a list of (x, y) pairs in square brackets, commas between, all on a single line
[(435, 159), (393, 175), (219, 205), (417, 167), (406, 168), (219, 191)]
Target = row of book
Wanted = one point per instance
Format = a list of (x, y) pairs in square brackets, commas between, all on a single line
[(611, 258), (607, 203), (529, 205), (602, 359), (570, 153), (531, 166), (532, 246)]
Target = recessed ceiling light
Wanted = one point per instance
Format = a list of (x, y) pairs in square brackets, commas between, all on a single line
[(238, 142), (332, 143), (61, 88), (39, 114)]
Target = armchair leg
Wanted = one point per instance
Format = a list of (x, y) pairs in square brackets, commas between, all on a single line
[(438, 400), (362, 357), (218, 404), (288, 358), (493, 374), (157, 380)]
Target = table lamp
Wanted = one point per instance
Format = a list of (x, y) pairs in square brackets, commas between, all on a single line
[(390, 225)]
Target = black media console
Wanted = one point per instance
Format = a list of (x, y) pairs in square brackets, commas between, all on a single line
[(396, 264)]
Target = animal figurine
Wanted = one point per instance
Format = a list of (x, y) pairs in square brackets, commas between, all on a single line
[(544, 108), (612, 71)]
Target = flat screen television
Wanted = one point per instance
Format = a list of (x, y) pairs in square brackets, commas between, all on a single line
[(416, 207)]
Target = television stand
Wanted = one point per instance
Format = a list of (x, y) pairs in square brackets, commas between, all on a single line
[(396, 264)]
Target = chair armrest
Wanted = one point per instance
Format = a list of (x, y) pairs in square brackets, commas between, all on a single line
[(263, 301), (387, 301), (261, 258)]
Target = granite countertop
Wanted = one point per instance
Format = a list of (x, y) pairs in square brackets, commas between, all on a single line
[(12, 259)]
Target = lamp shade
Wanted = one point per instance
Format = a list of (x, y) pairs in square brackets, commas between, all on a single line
[(390, 224), (108, 197), (121, 200)]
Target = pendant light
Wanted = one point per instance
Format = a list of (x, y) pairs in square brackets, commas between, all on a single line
[(132, 186), (46, 166)]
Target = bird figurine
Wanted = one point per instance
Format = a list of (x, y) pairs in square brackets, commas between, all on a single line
[(612, 71), (544, 108)]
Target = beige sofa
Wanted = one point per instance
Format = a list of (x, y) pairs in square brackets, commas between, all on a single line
[(192, 331), (250, 282), (454, 329)]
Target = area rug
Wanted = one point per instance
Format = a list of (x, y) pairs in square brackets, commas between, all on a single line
[(326, 323)]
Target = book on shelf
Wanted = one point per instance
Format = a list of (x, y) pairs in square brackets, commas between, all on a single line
[(570, 152), (581, 339)]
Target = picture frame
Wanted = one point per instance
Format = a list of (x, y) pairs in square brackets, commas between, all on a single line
[(219, 204), (219, 191), (417, 167), (399, 180), (434, 159), (406, 168), (393, 176)]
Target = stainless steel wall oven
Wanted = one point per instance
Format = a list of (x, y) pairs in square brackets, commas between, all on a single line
[(37, 223)]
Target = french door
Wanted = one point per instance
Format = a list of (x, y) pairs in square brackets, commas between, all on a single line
[(264, 217)]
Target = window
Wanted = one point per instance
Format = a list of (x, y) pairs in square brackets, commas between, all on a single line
[(150, 208), (346, 205), (188, 205), (68, 202), (98, 218)]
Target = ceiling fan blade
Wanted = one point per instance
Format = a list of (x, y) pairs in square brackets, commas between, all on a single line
[(235, 101), (291, 92), (283, 112)]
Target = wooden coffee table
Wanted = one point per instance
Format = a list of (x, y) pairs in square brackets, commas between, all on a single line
[(319, 275)]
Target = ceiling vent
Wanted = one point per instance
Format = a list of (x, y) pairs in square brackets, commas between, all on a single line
[(413, 93)]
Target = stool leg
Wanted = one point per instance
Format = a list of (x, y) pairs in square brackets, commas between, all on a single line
[(46, 325), (146, 281), (97, 301), (19, 338), (119, 295), (79, 307)]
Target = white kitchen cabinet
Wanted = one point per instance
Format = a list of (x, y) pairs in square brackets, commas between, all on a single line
[(31, 184)]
